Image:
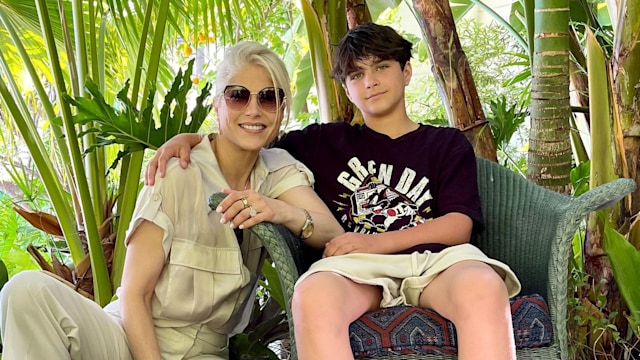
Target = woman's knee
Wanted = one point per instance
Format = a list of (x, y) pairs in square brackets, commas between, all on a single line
[(23, 284), (20, 292)]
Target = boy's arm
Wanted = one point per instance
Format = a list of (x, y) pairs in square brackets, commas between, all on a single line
[(178, 146), (450, 229)]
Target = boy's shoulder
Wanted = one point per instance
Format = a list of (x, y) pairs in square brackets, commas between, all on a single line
[(316, 133), (442, 133), (338, 126), (438, 129)]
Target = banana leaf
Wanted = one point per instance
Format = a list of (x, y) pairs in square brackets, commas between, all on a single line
[(625, 263)]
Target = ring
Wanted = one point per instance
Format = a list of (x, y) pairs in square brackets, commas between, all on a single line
[(252, 211), (245, 202)]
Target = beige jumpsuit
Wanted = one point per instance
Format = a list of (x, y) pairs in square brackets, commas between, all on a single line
[(203, 295)]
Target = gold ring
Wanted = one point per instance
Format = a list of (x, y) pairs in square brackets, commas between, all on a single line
[(245, 203), (252, 211)]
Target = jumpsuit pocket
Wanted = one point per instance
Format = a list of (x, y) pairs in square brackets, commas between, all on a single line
[(199, 280)]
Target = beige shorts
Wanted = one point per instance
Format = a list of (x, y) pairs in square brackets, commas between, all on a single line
[(402, 277)]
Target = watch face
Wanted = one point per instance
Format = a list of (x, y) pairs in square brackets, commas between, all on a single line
[(308, 230)]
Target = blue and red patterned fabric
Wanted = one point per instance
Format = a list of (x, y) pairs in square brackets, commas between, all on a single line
[(403, 330)]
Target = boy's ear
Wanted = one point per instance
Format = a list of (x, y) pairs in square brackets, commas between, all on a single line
[(408, 71), (346, 91)]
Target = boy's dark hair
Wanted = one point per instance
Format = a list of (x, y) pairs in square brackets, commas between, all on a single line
[(368, 41)]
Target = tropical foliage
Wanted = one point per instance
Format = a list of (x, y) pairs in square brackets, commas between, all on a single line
[(588, 46), (82, 82)]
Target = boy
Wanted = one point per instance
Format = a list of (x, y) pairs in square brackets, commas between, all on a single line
[(407, 197)]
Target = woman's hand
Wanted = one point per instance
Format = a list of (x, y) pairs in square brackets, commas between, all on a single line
[(243, 209), (178, 146), (236, 210)]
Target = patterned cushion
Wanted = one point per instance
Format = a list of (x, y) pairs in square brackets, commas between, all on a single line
[(402, 330)]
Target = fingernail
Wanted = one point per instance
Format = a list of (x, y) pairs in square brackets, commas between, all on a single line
[(231, 225), (241, 227), (219, 209), (223, 220)]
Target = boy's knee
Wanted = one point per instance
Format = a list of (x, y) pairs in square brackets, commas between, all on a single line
[(483, 285), (303, 297), (317, 297)]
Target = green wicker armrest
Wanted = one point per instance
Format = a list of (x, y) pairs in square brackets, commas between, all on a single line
[(287, 251), (531, 228)]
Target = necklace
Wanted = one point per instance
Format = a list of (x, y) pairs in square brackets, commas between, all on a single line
[(246, 184)]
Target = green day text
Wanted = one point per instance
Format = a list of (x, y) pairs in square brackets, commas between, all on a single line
[(415, 190)]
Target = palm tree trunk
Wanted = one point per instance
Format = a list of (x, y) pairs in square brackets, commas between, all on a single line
[(549, 157), (453, 75), (357, 13)]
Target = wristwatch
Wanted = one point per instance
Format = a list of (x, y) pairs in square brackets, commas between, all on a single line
[(307, 228)]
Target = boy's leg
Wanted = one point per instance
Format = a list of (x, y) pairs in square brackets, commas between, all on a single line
[(323, 305), (474, 297)]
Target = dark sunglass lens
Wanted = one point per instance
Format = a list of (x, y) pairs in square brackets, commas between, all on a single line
[(271, 98), (236, 97)]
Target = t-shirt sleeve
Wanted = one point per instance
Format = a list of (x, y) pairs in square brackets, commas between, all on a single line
[(458, 186)]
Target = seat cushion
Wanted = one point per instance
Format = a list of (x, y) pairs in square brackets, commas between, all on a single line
[(413, 330)]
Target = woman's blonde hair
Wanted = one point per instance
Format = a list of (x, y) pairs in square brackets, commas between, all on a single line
[(246, 53)]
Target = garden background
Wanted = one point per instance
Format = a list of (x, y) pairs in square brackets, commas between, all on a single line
[(90, 88)]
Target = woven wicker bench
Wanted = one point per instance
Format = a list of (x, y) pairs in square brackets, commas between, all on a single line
[(526, 226)]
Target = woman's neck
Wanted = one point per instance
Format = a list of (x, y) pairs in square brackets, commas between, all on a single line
[(236, 165)]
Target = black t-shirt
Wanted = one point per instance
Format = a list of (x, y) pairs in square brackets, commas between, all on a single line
[(374, 184)]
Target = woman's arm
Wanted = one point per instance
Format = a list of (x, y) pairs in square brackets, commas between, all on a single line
[(178, 146), (143, 264), (285, 210), (291, 215)]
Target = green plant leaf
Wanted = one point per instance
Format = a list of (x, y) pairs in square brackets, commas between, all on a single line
[(123, 124), (272, 283), (625, 262), (240, 347), (4, 274), (579, 176)]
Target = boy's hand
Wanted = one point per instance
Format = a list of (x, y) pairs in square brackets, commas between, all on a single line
[(350, 243), (177, 146)]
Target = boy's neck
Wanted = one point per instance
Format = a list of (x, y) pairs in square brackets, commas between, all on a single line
[(391, 127)]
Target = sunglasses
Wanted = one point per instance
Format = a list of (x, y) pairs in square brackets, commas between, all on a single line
[(237, 97)]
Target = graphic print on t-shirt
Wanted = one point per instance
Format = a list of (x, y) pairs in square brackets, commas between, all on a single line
[(373, 206)]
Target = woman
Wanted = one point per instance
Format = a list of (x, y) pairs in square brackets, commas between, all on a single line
[(189, 278)]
